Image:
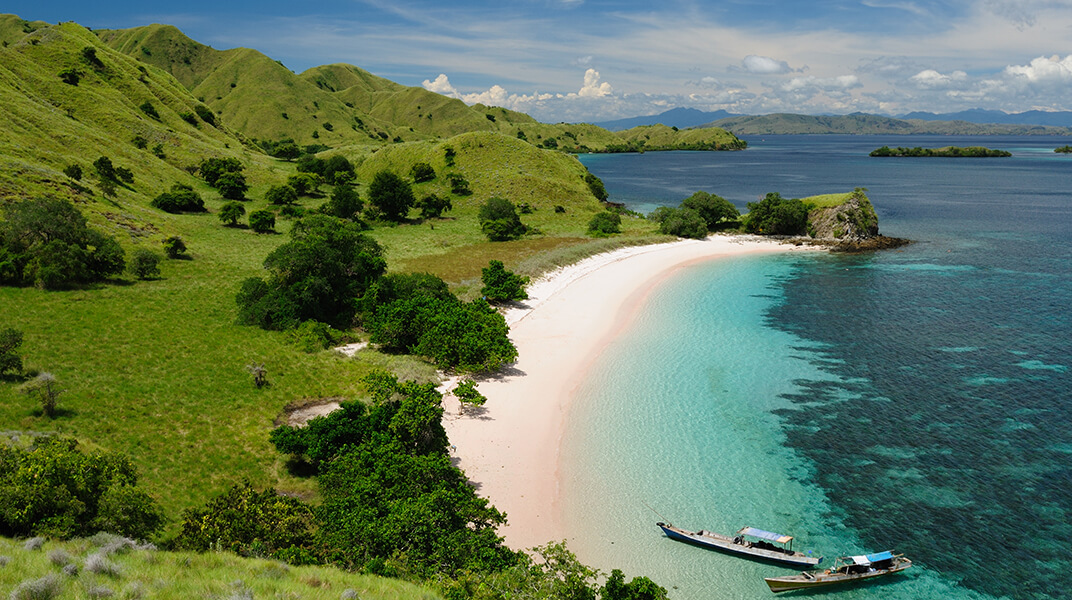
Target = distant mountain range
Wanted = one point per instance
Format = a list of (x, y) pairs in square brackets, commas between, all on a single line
[(976, 121)]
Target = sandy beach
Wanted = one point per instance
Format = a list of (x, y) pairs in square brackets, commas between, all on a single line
[(510, 448)]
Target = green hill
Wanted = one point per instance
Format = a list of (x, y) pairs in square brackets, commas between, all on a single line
[(864, 124)]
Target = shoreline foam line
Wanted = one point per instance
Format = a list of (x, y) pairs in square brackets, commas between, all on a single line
[(510, 449)]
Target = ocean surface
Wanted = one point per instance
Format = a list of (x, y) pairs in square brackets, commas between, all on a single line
[(916, 400)]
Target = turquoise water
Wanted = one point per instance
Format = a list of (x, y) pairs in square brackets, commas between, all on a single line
[(915, 400)]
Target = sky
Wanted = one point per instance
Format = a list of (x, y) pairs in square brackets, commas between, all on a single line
[(598, 60)]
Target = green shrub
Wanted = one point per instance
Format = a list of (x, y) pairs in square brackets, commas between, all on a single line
[(174, 247), (312, 336), (206, 114), (281, 194), (501, 285), (422, 172), (604, 224), (775, 215), (148, 108), (52, 488), (73, 171), (345, 203), (70, 76), (499, 220), (716, 211), (231, 212), (595, 185), (390, 195), (232, 185), (212, 169), (181, 198), (682, 222), (45, 588), (433, 207), (145, 264), (459, 185), (262, 221), (10, 360), (467, 394), (189, 117)]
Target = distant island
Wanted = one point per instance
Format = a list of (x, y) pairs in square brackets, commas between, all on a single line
[(1064, 149), (865, 124), (947, 151)]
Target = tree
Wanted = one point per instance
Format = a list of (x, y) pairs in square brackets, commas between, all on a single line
[(251, 523), (318, 275), (104, 168), (47, 242), (433, 207), (145, 264), (70, 76), (605, 223), (459, 185), (52, 488), (232, 185), (337, 166), (499, 220), (467, 394), (345, 203), (262, 221), (47, 391), (174, 247), (181, 198), (595, 185), (716, 211), (501, 285), (212, 168), (421, 172), (304, 184), (391, 195), (775, 215), (281, 194), (231, 212), (682, 222), (148, 108), (10, 360), (74, 171)]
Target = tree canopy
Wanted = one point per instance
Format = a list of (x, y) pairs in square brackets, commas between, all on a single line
[(391, 195), (501, 285), (774, 215), (318, 275), (716, 211), (46, 242), (499, 220)]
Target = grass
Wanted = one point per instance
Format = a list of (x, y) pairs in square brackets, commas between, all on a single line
[(827, 200), (93, 568)]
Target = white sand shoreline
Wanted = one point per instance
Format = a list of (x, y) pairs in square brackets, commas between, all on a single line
[(511, 449)]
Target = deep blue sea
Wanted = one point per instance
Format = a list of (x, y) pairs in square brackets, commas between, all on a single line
[(917, 399)]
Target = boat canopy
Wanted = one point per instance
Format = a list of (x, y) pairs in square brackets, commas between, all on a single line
[(867, 559), (765, 535)]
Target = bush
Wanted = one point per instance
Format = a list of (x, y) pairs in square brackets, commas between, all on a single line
[(682, 222), (467, 394), (716, 211), (104, 168), (70, 76), (189, 117), (148, 108), (47, 587), (391, 195), (54, 489), (231, 212), (433, 207), (345, 203), (459, 185), (604, 224), (595, 185), (501, 285), (250, 523), (73, 171), (174, 247), (312, 336), (775, 215), (145, 264), (206, 114), (212, 169), (262, 221), (304, 184), (317, 275), (422, 172), (232, 185), (181, 198), (499, 220), (10, 360), (46, 242), (281, 194)]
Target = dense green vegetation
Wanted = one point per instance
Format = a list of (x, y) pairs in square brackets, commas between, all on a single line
[(1063, 150), (865, 124), (696, 216), (947, 151), (774, 215)]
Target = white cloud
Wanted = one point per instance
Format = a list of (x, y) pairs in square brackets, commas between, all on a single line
[(1043, 70), (821, 84), (441, 85), (592, 88), (929, 79), (763, 65)]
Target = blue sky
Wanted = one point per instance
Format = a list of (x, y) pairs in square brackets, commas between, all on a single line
[(573, 60)]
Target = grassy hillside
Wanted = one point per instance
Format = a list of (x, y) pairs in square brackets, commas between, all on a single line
[(103, 567)]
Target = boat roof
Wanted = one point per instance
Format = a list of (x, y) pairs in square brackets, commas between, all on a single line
[(765, 535), (866, 559)]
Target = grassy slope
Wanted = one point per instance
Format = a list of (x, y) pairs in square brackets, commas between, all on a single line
[(156, 369), (182, 575)]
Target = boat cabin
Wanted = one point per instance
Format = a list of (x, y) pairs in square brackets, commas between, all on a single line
[(757, 538), (865, 563)]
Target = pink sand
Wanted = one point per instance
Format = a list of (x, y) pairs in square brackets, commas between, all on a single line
[(511, 449)]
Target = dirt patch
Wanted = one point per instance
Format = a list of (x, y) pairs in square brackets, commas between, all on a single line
[(300, 412)]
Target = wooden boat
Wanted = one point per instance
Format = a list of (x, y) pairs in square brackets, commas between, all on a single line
[(749, 542), (846, 569)]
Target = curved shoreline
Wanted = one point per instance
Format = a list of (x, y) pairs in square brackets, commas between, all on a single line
[(510, 448)]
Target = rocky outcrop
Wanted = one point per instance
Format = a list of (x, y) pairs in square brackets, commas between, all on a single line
[(853, 221)]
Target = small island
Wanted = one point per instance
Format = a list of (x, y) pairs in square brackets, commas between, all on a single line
[(948, 151), (1063, 150)]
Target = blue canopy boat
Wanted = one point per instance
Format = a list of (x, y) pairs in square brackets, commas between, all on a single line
[(749, 542), (846, 569)]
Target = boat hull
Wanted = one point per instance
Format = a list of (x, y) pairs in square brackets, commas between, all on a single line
[(807, 581), (726, 544)]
